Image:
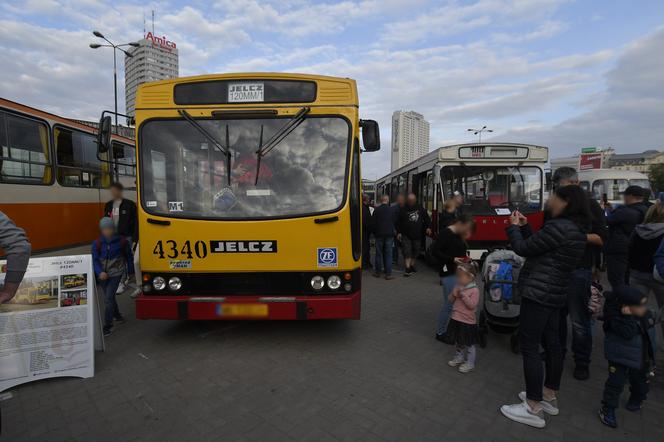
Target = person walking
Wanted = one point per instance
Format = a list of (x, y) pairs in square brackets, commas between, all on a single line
[(462, 329), (581, 280), (413, 221), (367, 228), (397, 205), (384, 222), (123, 213), (111, 258), (621, 221), (643, 246), (551, 255), (448, 215), (629, 340), (448, 247)]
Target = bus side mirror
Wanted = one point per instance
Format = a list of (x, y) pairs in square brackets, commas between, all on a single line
[(370, 135), (104, 134)]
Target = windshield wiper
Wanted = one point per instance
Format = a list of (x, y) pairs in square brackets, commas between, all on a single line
[(225, 150), (278, 137)]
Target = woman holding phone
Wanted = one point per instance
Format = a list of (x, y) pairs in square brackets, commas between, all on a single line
[(551, 255)]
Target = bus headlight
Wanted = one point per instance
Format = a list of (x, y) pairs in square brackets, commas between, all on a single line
[(334, 282), (174, 283), (159, 283), (317, 282)]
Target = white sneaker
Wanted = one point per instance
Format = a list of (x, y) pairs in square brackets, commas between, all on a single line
[(549, 407), (466, 367), (121, 288), (523, 414), (458, 360)]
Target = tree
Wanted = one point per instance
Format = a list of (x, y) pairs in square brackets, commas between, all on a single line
[(656, 176)]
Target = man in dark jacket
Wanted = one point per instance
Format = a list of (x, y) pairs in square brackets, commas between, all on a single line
[(123, 213), (412, 223), (397, 205), (580, 282), (367, 221), (384, 221), (622, 221), (17, 250), (629, 349)]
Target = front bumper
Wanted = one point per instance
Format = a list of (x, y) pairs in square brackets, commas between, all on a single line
[(277, 307)]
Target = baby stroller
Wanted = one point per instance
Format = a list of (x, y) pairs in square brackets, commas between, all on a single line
[(499, 311)]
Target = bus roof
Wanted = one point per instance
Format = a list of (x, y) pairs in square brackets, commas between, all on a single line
[(600, 174), (450, 154), (328, 90)]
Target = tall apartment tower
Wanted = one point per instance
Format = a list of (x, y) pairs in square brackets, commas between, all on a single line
[(155, 59), (410, 137)]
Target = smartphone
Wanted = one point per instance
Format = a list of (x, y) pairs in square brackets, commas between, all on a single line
[(605, 198)]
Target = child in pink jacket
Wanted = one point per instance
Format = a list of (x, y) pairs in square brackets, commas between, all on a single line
[(462, 329)]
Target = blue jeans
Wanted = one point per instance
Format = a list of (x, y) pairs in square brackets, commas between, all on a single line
[(578, 294), (446, 310), (384, 247), (109, 287)]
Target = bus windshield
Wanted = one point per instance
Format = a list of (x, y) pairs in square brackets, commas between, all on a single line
[(491, 190), (184, 175), (613, 188)]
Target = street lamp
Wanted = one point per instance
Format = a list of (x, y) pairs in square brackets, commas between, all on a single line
[(115, 68), (479, 132)]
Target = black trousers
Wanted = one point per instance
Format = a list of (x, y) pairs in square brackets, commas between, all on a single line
[(616, 269), (366, 248), (539, 324), (619, 375)]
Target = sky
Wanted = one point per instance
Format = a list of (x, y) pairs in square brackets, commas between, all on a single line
[(561, 73)]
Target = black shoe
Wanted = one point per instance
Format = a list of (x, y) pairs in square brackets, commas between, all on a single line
[(120, 320), (408, 272), (581, 373), (633, 406), (440, 337), (375, 275), (108, 331), (608, 417)]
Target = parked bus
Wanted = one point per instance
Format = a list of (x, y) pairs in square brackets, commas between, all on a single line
[(249, 196), (607, 185), (51, 182), (495, 180)]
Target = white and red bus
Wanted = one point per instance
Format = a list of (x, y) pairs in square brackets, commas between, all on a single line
[(495, 179), (52, 184)]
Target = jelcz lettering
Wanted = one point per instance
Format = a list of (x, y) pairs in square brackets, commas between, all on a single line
[(258, 246)]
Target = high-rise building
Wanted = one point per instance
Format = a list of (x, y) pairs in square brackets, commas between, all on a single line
[(410, 137), (155, 59)]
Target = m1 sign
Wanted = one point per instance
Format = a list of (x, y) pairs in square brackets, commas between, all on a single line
[(588, 161), (160, 41)]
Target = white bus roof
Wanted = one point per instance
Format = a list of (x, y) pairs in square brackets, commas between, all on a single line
[(451, 155), (600, 174)]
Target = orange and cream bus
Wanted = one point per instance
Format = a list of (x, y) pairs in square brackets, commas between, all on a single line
[(52, 183)]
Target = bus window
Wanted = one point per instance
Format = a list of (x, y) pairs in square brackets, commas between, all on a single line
[(429, 192), (613, 188), (25, 156), (184, 175), (78, 165), (488, 188), (125, 158), (585, 185)]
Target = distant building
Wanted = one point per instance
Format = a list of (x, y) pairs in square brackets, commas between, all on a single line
[(639, 162), (410, 137), (155, 59)]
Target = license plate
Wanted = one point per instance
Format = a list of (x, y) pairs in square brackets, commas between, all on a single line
[(247, 310)]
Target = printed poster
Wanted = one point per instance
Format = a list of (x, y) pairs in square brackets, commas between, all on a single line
[(47, 329)]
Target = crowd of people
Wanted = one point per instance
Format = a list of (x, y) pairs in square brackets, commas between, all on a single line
[(561, 279)]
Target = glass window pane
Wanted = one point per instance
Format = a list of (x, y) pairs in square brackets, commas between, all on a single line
[(24, 152), (78, 164)]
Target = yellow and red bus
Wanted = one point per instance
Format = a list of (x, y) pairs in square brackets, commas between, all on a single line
[(249, 194), (52, 183)]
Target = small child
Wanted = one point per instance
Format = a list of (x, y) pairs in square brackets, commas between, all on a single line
[(111, 257), (629, 348), (462, 329)]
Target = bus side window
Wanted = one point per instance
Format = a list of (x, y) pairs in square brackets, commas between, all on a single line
[(25, 154), (78, 165)]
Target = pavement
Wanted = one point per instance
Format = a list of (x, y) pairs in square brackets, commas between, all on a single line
[(383, 377)]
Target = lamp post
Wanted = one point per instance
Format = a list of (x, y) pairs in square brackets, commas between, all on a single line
[(115, 67), (479, 132)]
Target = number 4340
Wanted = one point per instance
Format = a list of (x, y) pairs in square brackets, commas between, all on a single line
[(170, 249)]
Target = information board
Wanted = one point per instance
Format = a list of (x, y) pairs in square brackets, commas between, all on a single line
[(47, 329)]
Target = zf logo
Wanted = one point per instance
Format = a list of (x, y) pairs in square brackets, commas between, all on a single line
[(327, 257)]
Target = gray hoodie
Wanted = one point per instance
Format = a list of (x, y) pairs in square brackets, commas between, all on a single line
[(650, 231), (16, 247)]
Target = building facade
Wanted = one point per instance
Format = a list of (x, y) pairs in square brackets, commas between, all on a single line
[(410, 137), (638, 162), (155, 59)]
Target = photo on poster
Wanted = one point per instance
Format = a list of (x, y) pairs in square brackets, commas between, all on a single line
[(70, 298), (34, 293), (75, 281)]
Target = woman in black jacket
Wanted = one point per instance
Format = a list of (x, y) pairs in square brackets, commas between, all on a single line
[(551, 255)]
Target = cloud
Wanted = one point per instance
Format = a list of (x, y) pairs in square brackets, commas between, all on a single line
[(627, 115)]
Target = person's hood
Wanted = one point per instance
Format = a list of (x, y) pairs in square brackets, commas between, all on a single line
[(650, 231)]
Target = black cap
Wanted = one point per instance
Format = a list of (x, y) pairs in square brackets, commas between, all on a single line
[(628, 295), (637, 191)]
